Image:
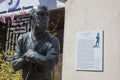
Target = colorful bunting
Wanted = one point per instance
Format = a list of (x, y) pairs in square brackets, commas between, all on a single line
[(2, 19), (12, 16)]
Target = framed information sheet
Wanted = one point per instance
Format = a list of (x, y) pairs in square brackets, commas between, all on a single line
[(89, 51)]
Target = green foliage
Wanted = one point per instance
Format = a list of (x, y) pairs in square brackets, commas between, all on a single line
[(6, 70), (52, 28), (53, 77)]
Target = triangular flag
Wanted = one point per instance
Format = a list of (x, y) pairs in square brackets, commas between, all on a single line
[(12, 16), (3, 19)]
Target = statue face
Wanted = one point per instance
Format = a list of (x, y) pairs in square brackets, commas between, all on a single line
[(41, 18)]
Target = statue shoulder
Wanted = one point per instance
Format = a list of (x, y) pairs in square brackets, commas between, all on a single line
[(51, 37), (23, 36), (54, 42)]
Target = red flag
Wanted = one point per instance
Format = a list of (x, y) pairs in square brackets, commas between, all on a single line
[(22, 12), (3, 19)]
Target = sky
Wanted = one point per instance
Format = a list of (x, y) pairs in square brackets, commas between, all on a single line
[(1, 1)]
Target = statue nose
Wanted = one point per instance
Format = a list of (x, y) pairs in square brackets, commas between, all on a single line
[(42, 18)]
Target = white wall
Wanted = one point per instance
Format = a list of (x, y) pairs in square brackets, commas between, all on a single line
[(87, 15)]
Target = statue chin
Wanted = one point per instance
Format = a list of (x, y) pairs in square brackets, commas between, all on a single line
[(41, 26)]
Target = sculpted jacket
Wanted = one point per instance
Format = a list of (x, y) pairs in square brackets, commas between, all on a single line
[(47, 51)]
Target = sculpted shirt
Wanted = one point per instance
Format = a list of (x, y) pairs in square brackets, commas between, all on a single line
[(47, 50)]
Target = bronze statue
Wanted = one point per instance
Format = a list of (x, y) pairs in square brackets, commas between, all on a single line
[(37, 51)]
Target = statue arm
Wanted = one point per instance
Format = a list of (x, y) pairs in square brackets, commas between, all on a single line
[(49, 60), (18, 61), (51, 57)]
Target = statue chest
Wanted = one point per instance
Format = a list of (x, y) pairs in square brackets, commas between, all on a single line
[(41, 47)]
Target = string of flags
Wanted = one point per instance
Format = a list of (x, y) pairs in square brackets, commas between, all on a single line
[(12, 17), (2, 19)]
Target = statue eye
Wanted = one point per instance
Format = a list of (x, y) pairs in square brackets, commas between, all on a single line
[(47, 14), (41, 13)]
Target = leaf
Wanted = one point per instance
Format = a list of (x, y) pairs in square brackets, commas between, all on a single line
[(6, 70)]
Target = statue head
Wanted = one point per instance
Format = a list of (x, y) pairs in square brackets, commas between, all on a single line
[(40, 18)]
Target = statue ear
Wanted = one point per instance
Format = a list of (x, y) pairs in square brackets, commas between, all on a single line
[(33, 21), (48, 18), (31, 17)]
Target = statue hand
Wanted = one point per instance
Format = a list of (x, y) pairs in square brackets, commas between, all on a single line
[(29, 54)]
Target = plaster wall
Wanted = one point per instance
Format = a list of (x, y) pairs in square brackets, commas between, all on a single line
[(89, 15)]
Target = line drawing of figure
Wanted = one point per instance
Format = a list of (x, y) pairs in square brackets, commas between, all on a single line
[(97, 40)]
